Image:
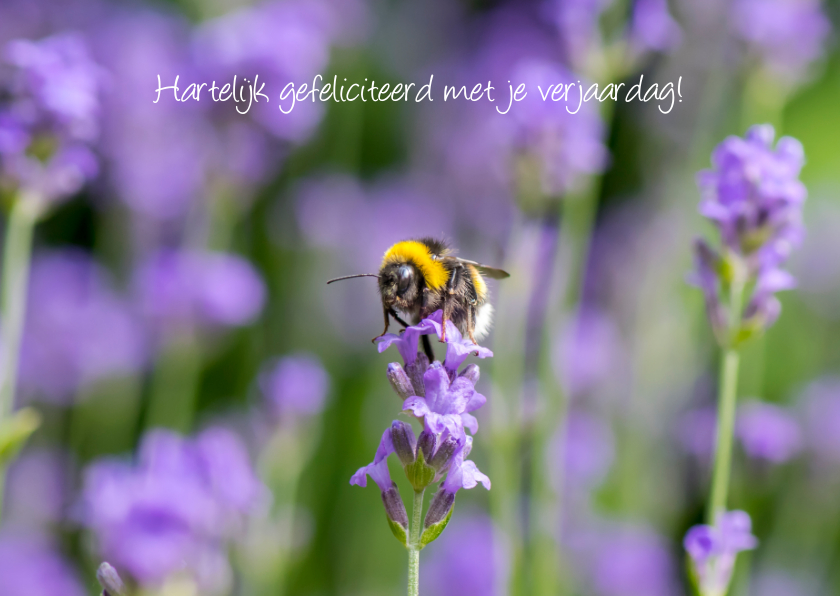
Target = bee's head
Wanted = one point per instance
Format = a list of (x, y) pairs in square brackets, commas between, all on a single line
[(400, 284)]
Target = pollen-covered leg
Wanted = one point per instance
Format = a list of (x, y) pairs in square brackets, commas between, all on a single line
[(471, 324)]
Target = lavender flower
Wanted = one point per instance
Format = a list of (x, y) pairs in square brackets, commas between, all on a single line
[(78, 330), (296, 385), (768, 432), (48, 118), (443, 402), (30, 566), (587, 451), (787, 35), (754, 197), (652, 27), (175, 510), (713, 549), (182, 288), (577, 24)]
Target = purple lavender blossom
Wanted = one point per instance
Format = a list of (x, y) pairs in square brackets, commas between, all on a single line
[(754, 197), (768, 432), (446, 404), (174, 510), (457, 346), (296, 385), (78, 330), (652, 27), (469, 560), (49, 117), (445, 398), (713, 549), (30, 566), (199, 287), (787, 35)]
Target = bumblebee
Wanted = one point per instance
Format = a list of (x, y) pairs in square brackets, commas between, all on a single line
[(418, 277)]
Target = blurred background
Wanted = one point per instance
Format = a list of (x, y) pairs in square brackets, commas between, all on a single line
[(205, 397)]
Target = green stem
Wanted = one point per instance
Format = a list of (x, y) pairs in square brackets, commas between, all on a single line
[(414, 545), (727, 399), (16, 257), (17, 253)]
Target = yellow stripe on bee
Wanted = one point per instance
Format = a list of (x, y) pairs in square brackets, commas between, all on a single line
[(417, 253), (478, 282)]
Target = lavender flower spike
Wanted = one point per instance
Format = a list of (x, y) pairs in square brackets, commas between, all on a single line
[(754, 197), (447, 404), (110, 580), (713, 550)]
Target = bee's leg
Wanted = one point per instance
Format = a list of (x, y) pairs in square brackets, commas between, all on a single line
[(449, 299), (471, 323), (427, 348), (387, 324), (396, 317)]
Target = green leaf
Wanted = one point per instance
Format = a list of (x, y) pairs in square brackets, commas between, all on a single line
[(399, 532), (431, 533), (419, 474), (15, 430)]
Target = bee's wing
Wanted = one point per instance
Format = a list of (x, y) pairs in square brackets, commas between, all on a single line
[(490, 272)]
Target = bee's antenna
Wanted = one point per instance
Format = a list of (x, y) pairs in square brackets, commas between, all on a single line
[(352, 276)]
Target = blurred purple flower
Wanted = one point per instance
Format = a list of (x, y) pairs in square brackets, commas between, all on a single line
[(652, 27), (588, 351), (78, 330), (768, 432), (713, 549), (175, 509), (788, 35), (587, 450), (696, 432), (158, 154), (296, 385), (821, 404), (633, 562), (48, 117), (468, 560), (37, 489), (577, 25), (186, 287), (29, 566), (282, 42)]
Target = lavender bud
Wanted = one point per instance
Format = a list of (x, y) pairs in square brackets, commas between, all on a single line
[(394, 507), (444, 453), (400, 381), (404, 443), (471, 371), (439, 508), (426, 445), (415, 371), (110, 580)]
